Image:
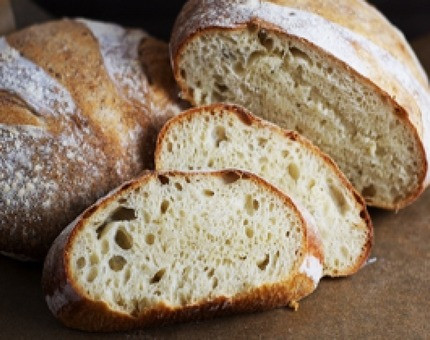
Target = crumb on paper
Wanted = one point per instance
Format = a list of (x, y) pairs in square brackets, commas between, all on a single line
[(294, 305)]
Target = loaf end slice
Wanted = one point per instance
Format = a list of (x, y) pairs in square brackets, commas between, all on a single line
[(301, 66), (174, 246), (223, 136)]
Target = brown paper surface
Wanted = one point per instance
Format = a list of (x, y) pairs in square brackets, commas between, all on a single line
[(387, 299)]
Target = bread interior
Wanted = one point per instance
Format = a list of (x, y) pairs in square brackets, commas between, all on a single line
[(219, 138), (179, 240), (300, 88)]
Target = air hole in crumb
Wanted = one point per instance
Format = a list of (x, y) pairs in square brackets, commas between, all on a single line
[(221, 87), (122, 200), (219, 135), (157, 276), (287, 234), (214, 283), (211, 163), (262, 142), (149, 239), (117, 262), (369, 191), (263, 264), (123, 239), (338, 198), (105, 247), (254, 56), (169, 147), (311, 184), (208, 193), (251, 204), (94, 259), (345, 251), (183, 74), (99, 230), (146, 217), (249, 232), (285, 153), (294, 171), (245, 222), (80, 263), (230, 177), (265, 40), (127, 275), (239, 69), (163, 179), (123, 214), (178, 186), (217, 97), (92, 274), (211, 272), (299, 54), (164, 206)]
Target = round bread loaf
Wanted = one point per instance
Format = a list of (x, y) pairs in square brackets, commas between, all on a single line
[(81, 103)]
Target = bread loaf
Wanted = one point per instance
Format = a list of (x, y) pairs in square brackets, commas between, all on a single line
[(224, 136), (174, 246), (337, 72), (81, 103)]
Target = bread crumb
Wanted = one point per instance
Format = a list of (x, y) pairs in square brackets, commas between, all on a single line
[(294, 305)]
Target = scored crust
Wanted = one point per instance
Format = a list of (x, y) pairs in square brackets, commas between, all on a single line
[(76, 120), (364, 59), (72, 305)]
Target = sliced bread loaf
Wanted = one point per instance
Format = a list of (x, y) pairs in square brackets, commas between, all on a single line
[(177, 246), (226, 136), (337, 72)]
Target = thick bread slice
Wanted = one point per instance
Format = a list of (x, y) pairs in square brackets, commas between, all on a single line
[(81, 104), (337, 72), (174, 246), (225, 136)]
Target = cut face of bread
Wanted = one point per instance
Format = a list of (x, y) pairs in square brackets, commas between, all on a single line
[(171, 244), (346, 94), (225, 136)]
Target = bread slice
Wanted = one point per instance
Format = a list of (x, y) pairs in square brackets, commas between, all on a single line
[(226, 136), (174, 246), (338, 73)]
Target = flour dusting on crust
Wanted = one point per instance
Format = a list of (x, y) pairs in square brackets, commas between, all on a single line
[(37, 164), (119, 48)]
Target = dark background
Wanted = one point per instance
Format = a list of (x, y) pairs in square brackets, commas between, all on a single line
[(157, 16)]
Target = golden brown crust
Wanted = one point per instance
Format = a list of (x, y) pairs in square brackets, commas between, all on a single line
[(250, 119), (404, 103), (72, 305), (361, 17), (65, 163)]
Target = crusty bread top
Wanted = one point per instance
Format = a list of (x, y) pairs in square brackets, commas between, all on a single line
[(80, 106), (361, 17), (362, 57)]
